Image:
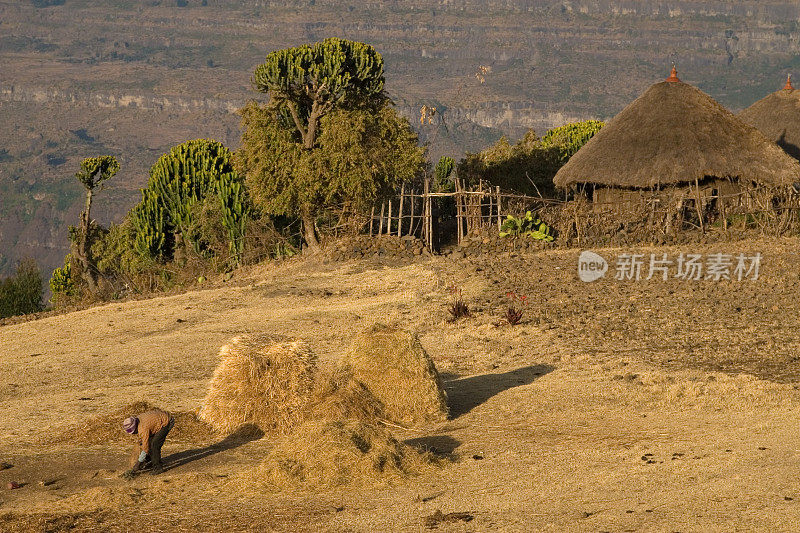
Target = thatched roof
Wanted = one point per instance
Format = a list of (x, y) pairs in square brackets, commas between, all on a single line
[(675, 133), (777, 116)]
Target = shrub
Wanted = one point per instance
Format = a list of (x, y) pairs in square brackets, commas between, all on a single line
[(22, 292), (529, 226), (530, 165), (62, 284)]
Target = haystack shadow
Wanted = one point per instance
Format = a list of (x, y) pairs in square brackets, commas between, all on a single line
[(438, 445), (467, 393), (244, 434)]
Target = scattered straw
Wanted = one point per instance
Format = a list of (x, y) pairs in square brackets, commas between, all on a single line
[(394, 367), (107, 429), (260, 380)]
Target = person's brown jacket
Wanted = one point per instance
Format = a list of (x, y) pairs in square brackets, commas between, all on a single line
[(150, 423)]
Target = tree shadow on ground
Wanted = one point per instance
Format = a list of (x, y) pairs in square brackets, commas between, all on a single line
[(244, 434), (467, 393)]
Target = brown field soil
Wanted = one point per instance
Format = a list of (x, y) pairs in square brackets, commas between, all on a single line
[(613, 406)]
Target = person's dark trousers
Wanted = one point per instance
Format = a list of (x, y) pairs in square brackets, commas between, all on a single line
[(157, 442)]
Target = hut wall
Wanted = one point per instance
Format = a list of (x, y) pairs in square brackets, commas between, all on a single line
[(717, 193)]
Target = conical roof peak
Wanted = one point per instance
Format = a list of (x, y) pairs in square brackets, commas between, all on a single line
[(673, 75)]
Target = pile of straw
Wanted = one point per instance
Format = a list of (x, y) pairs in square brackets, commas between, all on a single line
[(107, 429), (327, 454), (342, 397), (394, 367), (263, 381)]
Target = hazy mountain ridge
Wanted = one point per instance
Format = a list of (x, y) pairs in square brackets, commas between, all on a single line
[(134, 78)]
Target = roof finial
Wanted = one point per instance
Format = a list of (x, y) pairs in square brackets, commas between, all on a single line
[(673, 76), (788, 86)]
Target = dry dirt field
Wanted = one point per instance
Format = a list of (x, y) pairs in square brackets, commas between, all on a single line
[(614, 406)]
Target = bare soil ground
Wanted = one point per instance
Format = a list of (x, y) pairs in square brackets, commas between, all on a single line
[(614, 406)]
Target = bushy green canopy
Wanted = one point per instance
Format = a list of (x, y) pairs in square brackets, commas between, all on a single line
[(96, 170), (529, 166), (21, 293), (360, 155), (331, 73)]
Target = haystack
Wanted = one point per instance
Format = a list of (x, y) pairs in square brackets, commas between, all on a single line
[(342, 397), (326, 454), (394, 367), (777, 116), (675, 135), (261, 380)]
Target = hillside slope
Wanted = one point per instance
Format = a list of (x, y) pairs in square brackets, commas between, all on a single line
[(580, 418)]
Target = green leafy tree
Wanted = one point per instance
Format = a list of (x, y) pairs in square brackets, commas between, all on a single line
[(306, 83), (189, 174), (568, 139), (21, 293), (94, 172), (530, 165), (360, 155)]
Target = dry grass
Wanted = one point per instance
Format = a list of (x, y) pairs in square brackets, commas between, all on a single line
[(394, 367), (260, 380), (107, 429), (327, 454)]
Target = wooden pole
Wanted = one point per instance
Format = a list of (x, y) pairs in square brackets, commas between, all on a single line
[(459, 197), (499, 207), (380, 229), (413, 217), (426, 214), (389, 220), (400, 211), (699, 208), (371, 220)]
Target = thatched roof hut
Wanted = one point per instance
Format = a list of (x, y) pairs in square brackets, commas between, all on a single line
[(777, 116), (675, 134)]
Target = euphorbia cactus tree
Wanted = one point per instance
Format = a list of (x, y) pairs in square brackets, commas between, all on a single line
[(93, 173)]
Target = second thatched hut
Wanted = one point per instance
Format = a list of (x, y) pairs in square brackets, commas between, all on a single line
[(777, 116), (676, 139)]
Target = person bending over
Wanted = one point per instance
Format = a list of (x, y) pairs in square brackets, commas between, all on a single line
[(151, 427)]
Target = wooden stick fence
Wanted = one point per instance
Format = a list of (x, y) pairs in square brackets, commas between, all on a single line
[(413, 212)]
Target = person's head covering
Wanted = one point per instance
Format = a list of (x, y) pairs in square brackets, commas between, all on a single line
[(130, 424)]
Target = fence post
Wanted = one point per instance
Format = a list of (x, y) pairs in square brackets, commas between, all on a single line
[(389, 219), (459, 211), (411, 224), (499, 206), (371, 220), (380, 228), (426, 213), (400, 210)]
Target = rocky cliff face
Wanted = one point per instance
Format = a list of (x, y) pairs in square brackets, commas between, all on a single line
[(80, 79)]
